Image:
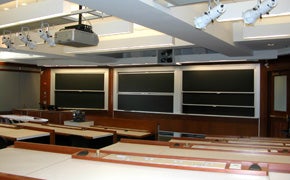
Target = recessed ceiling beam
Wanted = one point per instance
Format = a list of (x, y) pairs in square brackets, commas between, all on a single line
[(151, 15)]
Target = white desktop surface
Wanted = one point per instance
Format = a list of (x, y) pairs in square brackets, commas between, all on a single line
[(21, 134), (24, 162), (278, 176), (125, 131), (54, 166), (75, 169)]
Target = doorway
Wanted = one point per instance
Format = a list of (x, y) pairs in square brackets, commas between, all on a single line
[(279, 106)]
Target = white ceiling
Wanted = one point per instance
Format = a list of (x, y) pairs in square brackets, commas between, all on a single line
[(148, 25)]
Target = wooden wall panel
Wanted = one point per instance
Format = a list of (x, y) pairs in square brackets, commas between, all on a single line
[(181, 123), (271, 126), (33, 113), (264, 100), (277, 125), (45, 87)]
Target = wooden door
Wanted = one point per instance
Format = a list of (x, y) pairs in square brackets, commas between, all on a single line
[(279, 107)]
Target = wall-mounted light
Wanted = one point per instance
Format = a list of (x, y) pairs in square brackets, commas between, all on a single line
[(24, 37), (45, 34), (6, 39), (210, 16), (250, 16)]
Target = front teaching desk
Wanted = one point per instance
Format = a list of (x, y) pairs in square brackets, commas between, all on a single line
[(58, 163)]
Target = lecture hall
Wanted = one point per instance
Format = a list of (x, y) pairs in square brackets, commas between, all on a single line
[(145, 89)]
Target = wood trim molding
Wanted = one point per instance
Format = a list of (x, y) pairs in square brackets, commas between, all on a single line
[(7, 176), (49, 147)]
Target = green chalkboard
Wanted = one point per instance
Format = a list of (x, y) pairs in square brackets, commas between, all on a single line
[(146, 82), (79, 81), (79, 90), (146, 103), (219, 92), (219, 80), (152, 92), (79, 99)]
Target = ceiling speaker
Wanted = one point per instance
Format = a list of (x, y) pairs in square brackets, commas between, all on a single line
[(165, 56)]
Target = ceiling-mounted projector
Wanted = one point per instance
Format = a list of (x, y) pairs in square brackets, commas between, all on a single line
[(78, 36)]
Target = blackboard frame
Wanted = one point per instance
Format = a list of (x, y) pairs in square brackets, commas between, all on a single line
[(223, 92), (74, 81), (94, 97), (145, 91)]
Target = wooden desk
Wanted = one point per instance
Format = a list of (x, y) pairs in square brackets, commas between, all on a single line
[(24, 162), (240, 141), (75, 169), (245, 140), (193, 144), (7, 125), (139, 125), (48, 165), (125, 132), (21, 134), (67, 130), (137, 148)]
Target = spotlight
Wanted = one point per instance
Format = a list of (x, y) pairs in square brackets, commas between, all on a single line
[(45, 35), (6, 39), (250, 16), (26, 40), (209, 16)]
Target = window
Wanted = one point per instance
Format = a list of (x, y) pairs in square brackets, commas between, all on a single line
[(280, 93)]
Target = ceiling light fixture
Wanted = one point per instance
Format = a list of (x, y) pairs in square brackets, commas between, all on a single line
[(209, 16), (250, 16), (6, 39), (24, 37), (45, 34)]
